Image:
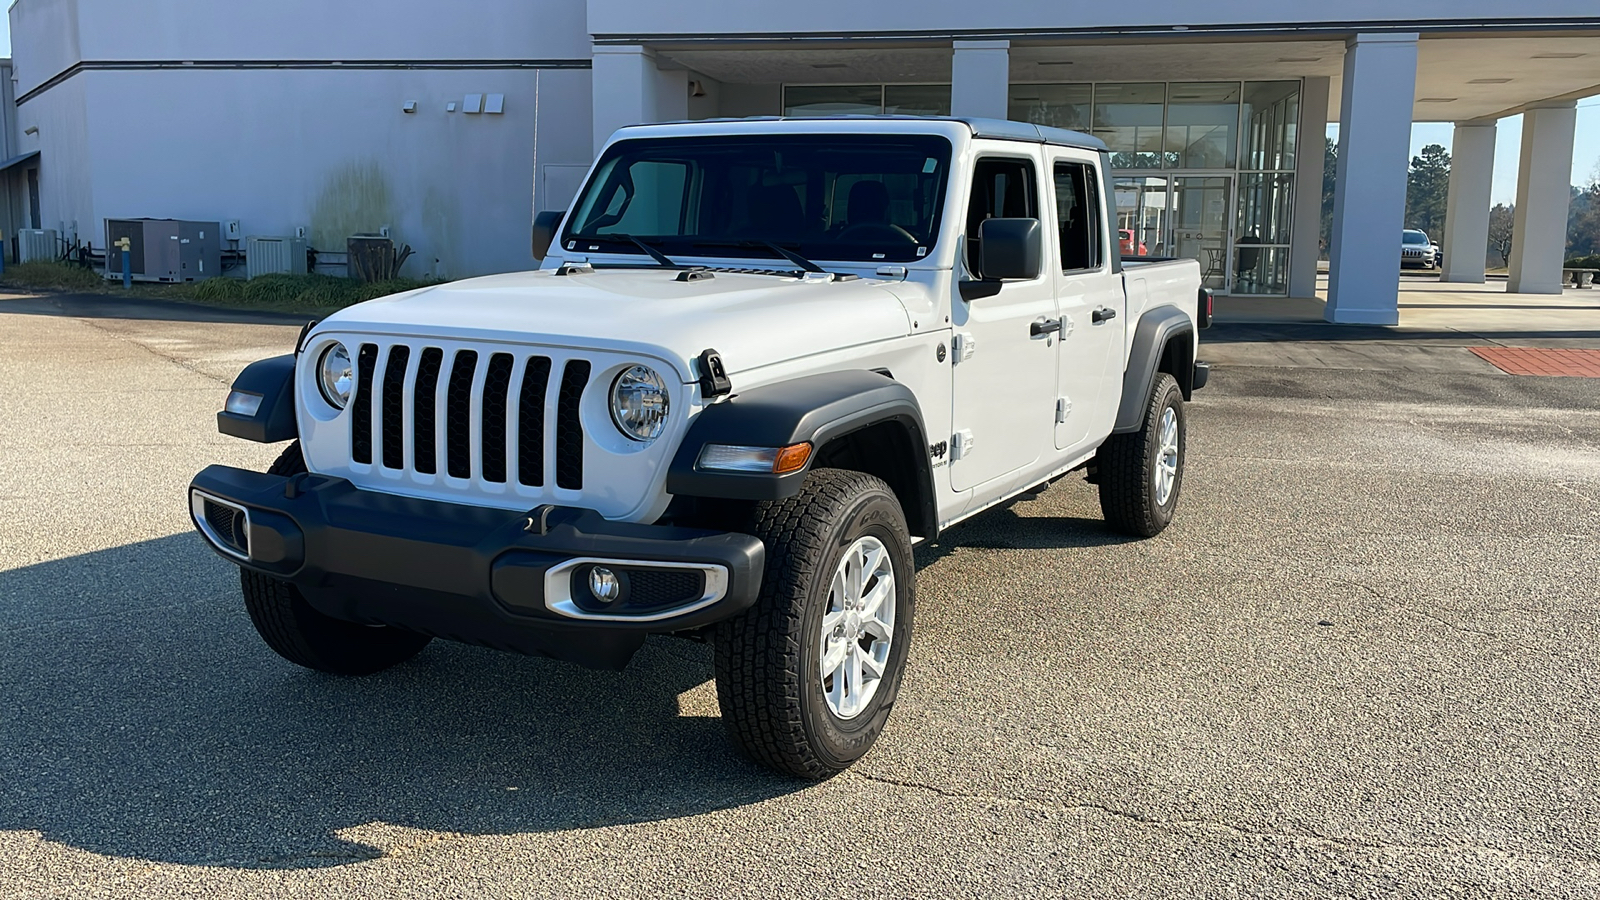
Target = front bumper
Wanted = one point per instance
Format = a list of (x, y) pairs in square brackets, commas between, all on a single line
[(516, 581)]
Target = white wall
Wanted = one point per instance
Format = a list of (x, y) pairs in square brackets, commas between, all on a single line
[(333, 151), (955, 17), (50, 35), (327, 148)]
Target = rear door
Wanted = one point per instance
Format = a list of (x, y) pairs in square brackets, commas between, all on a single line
[(1004, 374), (1093, 306)]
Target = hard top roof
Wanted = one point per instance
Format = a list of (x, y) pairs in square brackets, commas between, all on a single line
[(997, 129)]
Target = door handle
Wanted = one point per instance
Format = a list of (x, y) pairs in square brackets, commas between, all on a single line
[(1050, 327), (1102, 315)]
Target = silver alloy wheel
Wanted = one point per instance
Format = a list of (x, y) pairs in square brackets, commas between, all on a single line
[(857, 627), (1167, 458)]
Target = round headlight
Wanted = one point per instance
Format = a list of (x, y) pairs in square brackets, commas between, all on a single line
[(335, 376), (639, 403)]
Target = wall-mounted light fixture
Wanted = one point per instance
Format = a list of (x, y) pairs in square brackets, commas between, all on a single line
[(31, 129), (409, 107)]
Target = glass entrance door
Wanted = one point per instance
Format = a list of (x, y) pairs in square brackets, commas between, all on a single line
[(1201, 226)]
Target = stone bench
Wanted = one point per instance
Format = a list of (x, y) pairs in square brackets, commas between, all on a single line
[(1579, 278)]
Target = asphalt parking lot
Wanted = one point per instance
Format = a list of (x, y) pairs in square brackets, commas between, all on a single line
[(1363, 662)]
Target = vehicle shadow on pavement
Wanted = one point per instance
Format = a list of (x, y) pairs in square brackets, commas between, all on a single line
[(1008, 528), (146, 719)]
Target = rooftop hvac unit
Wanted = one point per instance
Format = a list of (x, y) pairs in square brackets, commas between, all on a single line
[(37, 243), (164, 249), (274, 255)]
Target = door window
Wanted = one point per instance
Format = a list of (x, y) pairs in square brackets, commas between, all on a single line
[(1001, 189), (1078, 216)]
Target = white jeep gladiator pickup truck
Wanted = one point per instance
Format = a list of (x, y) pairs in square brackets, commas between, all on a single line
[(761, 360)]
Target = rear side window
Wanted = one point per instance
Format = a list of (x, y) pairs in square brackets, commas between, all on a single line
[(1001, 189), (1078, 216)]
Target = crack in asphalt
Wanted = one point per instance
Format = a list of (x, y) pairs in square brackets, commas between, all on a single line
[(1448, 623), (178, 361), (1347, 844)]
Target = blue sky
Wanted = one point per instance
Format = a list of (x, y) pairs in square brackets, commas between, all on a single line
[(1585, 154)]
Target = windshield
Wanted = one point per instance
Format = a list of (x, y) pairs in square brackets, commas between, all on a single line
[(1415, 237), (867, 198)]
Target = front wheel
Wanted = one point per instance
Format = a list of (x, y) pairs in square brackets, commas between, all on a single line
[(807, 676), (306, 637), (1141, 472)]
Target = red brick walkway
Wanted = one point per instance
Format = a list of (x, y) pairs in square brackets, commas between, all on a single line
[(1541, 361)]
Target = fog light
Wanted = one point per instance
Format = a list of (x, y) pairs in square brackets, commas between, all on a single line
[(604, 585)]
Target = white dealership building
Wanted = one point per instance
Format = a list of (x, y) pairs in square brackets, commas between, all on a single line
[(451, 125)]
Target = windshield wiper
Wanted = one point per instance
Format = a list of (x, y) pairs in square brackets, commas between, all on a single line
[(777, 249), (665, 260)]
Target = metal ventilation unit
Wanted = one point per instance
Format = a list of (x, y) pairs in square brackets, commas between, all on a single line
[(165, 249), (274, 255), (38, 243)]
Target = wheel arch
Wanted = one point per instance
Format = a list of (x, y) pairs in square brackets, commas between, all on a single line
[(858, 420), (1163, 341)]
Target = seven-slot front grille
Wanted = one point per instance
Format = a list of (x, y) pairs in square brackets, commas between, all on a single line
[(484, 413)]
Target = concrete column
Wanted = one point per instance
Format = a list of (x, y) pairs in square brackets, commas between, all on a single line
[(1305, 237), (1380, 86), (1544, 190), (980, 76), (1466, 218), (630, 89)]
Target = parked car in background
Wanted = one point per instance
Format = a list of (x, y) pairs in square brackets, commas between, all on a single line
[(1129, 246), (1417, 251)]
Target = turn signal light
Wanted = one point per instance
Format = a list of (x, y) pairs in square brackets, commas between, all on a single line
[(756, 460), (792, 458)]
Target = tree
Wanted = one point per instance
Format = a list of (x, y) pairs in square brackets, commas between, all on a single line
[(1428, 191), (1583, 219), (1502, 220), (1330, 178)]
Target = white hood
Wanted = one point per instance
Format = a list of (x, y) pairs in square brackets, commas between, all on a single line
[(751, 320)]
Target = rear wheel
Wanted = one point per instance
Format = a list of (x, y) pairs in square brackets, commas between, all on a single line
[(1141, 473), (807, 676), (306, 637)]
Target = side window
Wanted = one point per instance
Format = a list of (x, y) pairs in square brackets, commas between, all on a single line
[(1001, 189), (1078, 216)]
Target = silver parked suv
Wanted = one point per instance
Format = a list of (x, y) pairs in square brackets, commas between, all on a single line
[(1416, 251)]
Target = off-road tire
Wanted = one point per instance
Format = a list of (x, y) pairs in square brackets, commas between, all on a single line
[(768, 659), (308, 638), (1126, 465)]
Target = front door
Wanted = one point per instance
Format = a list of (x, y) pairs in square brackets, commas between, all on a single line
[(1004, 374), (1093, 307)]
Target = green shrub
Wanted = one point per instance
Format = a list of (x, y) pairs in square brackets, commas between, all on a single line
[(1584, 262), (219, 290), (52, 276)]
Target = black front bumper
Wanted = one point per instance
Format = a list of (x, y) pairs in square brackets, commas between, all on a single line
[(503, 579)]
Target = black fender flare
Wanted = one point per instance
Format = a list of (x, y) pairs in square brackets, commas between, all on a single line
[(273, 381), (1155, 331), (815, 409)]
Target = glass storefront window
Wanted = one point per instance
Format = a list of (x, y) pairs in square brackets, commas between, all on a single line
[(833, 100), (1261, 270), (1128, 117), (916, 99), (1142, 205), (1266, 207), (1271, 125), (1055, 105), (1202, 123)]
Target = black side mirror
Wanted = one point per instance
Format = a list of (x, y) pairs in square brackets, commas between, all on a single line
[(544, 230), (1010, 249)]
